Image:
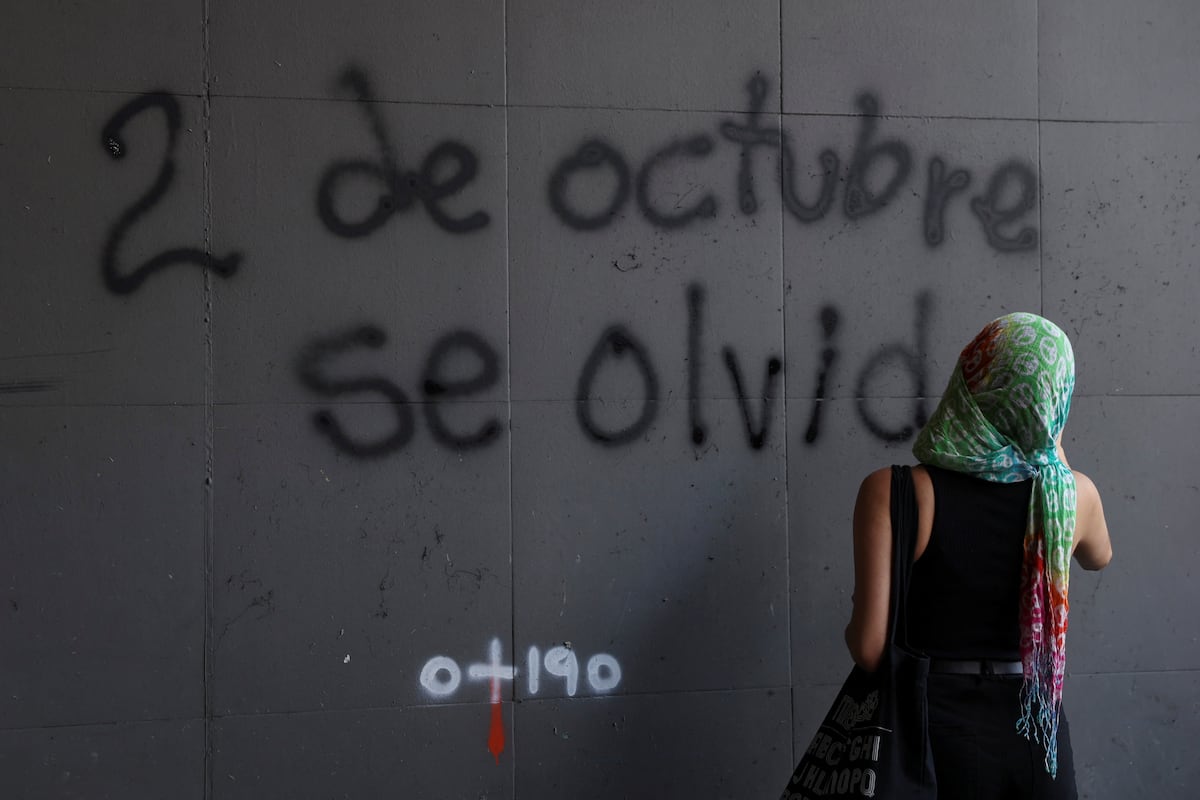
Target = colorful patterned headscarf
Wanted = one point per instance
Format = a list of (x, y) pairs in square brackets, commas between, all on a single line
[(1005, 406)]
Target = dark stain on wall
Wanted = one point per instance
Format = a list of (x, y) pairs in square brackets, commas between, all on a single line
[(30, 386)]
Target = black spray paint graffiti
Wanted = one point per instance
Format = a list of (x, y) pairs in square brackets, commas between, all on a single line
[(616, 344), (940, 188), (699, 430), (829, 322), (440, 384), (914, 360), (309, 368), (618, 340), (752, 135), (871, 155), (774, 366), (400, 189), (437, 388), (987, 207), (114, 145), (594, 155), (704, 208), (861, 201)]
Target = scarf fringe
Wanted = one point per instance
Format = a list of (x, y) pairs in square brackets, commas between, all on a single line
[(1040, 712)]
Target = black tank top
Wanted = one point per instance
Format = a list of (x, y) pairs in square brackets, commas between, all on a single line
[(965, 596)]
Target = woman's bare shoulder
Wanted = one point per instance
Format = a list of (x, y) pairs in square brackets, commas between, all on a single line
[(880, 480), (1087, 496), (1092, 545), (1084, 484), (877, 482)]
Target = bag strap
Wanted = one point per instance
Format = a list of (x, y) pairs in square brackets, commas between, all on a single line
[(904, 541)]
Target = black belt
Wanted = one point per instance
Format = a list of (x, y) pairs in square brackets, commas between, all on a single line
[(976, 667)]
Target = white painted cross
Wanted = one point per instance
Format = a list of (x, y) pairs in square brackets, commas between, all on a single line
[(493, 671)]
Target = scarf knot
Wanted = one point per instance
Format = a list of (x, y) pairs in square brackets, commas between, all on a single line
[(1042, 457)]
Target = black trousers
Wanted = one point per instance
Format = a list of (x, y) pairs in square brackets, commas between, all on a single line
[(977, 752)]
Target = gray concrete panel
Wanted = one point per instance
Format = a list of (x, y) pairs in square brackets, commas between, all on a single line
[(823, 480), (69, 336), (973, 59), (670, 746), (669, 558), (117, 45), (412, 752), (310, 283), (669, 54), (1111, 60), (337, 577), (575, 271), (451, 51), (887, 284), (164, 758), (101, 527), (1121, 252), (1121, 443), (1134, 735)]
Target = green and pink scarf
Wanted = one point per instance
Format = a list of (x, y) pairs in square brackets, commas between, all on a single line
[(999, 419)]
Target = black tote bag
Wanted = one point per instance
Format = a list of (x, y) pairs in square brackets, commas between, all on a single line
[(874, 741)]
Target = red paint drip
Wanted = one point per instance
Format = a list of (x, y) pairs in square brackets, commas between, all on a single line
[(496, 734)]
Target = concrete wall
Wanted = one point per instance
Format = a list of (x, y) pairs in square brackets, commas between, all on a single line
[(355, 354)]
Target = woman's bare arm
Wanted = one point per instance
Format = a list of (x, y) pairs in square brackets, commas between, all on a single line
[(867, 632)]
